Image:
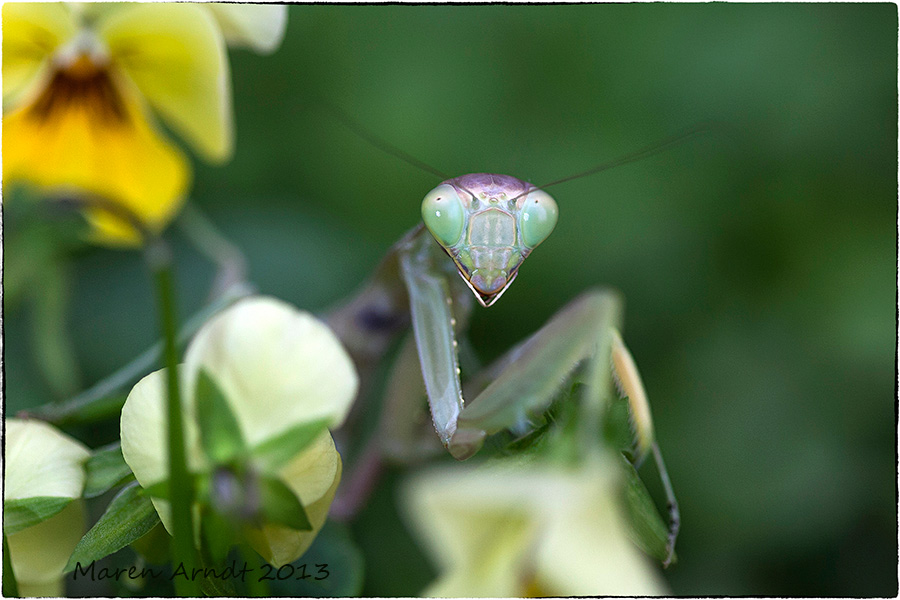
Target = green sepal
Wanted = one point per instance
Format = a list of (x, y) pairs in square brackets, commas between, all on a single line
[(648, 529), (220, 434), (106, 468), (128, 517), (280, 506), (26, 512), (278, 451)]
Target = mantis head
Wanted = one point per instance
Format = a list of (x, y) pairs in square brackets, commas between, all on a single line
[(488, 224)]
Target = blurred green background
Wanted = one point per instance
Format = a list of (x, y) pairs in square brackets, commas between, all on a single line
[(758, 261)]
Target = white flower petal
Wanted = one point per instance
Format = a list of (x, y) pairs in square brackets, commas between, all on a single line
[(42, 461), (277, 366), (258, 26)]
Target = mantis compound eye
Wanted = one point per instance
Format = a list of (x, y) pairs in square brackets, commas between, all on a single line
[(539, 215), (443, 214)]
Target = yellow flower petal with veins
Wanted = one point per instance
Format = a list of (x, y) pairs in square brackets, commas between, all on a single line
[(175, 54), (31, 32), (84, 134)]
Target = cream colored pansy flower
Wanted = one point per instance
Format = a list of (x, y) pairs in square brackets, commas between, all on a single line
[(516, 529), (278, 368), (42, 462), (79, 83)]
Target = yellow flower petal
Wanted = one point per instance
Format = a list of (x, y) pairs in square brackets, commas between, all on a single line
[(31, 33), (277, 366), (96, 141), (258, 26), (39, 553), (175, 55), (280, 545), (42, 461)]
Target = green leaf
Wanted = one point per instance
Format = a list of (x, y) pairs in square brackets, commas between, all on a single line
[(281, 506), (25, 512), (128, 517), (106, 468), (10, 586), (276, 452), (648, 529), (220, 433), (213, 587)]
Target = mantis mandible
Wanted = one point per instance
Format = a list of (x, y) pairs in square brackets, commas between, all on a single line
[(476, 232)]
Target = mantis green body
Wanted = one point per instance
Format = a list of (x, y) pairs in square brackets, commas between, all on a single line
[(477, 231)]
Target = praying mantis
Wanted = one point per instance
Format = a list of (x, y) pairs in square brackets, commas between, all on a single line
[(476, 232)]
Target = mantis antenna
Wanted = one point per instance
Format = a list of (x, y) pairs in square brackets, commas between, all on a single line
[(380, 143)]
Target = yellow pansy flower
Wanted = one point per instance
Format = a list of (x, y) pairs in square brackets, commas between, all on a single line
[(79, 83), (42, 462), (514, 529), (277, 367)]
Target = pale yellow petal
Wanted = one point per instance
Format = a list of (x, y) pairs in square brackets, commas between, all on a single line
[(586, 549), (257, 26), (42, 461), (143, 429), (282, 545), (39, 553), (175, 54), (478, 525), (277, 366), (31, 33), (311, 473), (105, 149)]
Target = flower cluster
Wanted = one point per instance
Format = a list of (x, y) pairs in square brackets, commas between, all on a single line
[(81, 86), (283, 375)]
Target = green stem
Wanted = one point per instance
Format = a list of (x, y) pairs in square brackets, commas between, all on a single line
[(256, 587), (10, 587), (180, 485)]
